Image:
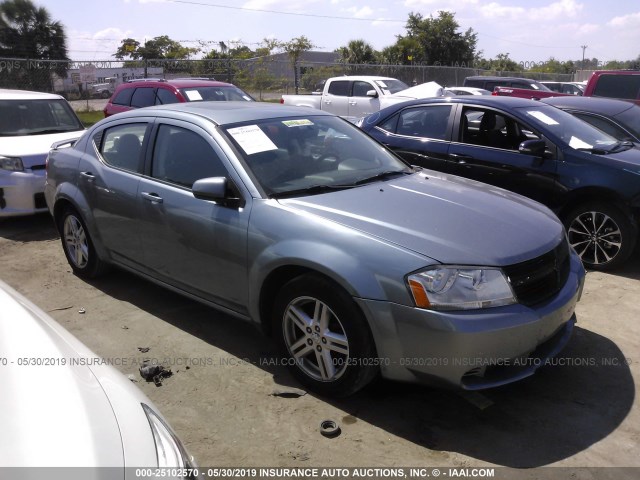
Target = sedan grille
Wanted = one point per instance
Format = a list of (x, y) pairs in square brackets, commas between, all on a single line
[(539, 279)]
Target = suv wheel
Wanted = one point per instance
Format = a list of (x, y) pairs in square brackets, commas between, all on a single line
[(601, 234), (78, 247), (325, 339)]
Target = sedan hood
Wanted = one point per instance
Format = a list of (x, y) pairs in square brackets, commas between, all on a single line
[(33, 149), (52, 414), (450, 219)]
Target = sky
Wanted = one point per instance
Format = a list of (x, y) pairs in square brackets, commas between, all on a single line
[(529, 31)]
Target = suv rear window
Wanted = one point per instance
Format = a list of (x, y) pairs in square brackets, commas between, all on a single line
[(618, 86), (143, 97), (123, 97)]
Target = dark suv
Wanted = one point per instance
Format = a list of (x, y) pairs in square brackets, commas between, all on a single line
[(590, 179), (489, 83), (145, 93)]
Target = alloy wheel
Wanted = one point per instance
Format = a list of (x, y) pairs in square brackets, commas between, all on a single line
[(596, 237), (75, 240)]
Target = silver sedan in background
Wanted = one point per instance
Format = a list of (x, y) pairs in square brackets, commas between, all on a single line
[(357, 263)]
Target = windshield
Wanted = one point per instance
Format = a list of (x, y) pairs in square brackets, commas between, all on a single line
[(221, 93), (311, 153), (391, 86), (36, 117), (576, 133)]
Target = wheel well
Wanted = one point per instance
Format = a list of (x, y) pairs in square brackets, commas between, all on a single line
[(274, 281), (60, 206), (582, 196)]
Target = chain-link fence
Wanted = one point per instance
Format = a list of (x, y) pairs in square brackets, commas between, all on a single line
[(263, 77)]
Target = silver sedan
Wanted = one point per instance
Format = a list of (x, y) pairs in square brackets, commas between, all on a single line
[(357, 263)]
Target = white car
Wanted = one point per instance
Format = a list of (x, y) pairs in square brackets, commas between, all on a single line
[(63, 406), (465, 91), (30, 122)]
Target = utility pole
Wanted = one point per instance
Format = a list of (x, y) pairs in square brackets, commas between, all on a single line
[(584, 47)]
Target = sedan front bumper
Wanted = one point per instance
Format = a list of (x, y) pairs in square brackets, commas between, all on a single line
[(473, 349)]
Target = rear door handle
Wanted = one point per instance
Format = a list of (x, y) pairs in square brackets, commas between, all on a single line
[(89, 176), (460, 158), (152, 197)]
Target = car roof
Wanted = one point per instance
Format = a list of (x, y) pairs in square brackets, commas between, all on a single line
[(8, 94), (480, 100), (605, 106), (492, 78), (181, 83), (226, 113)]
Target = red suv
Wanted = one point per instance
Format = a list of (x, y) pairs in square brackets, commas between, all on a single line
[(147, 92), (621, 84)]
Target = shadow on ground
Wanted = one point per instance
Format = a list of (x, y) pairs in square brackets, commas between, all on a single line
[(32, 228), (554, 415)]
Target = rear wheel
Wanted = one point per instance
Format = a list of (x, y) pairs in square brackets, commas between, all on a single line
[(325, 338), (78, 247), (601, 234)]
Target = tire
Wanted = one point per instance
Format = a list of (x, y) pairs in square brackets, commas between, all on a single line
[(78, 247), (602, 235), (324, 336), (105, 95)]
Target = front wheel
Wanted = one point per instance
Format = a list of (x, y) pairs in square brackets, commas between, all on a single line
[(78, 247), (602, 235), (325, 338)]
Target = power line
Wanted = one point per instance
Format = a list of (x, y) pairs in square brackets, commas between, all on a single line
[(295, 14)]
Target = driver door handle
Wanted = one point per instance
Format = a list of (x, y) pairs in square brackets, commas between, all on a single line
[(152, 197)]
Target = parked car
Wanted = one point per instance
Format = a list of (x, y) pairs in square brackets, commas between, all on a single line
[(620, 84), (569, 88), (292, 218), (30, 122), (448, 91), (145, 93), (490, 83), (587, 177), (618, 118), (63, 406)]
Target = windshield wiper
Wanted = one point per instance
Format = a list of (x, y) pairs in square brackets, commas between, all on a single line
[(382, 175), (616, 147), (311, 190), (621, 146), (594, 150)]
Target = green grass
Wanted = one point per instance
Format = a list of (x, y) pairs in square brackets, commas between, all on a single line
[(88, 118)]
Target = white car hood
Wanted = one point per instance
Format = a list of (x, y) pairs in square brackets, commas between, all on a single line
[(33, 149), (50, 415), (424, 90)]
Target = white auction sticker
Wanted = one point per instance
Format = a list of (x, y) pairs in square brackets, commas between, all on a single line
[(193, 95), (252, 139)]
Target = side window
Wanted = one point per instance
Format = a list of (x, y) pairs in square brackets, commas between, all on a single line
[(143, 97), (618, 86), (121, 146), (605, 125), (488, 128), (390, 124), (181, 156), (426, 122), (164, 96), (339, 88), (360, 89), (123, 97)]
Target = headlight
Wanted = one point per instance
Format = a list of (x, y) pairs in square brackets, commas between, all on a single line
[(460, 288), (169, 449), (13, 164)]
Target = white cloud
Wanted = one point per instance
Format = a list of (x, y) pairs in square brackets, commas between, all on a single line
[(363, 12), (548, 13), (626, 21)]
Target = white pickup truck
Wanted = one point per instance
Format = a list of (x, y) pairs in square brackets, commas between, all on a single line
[(357, 96)]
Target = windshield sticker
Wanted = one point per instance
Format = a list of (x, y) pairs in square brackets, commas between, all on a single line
[(193, 95), (297, 123), (246, 98), (576, 143), (381, 84), (543, 117), (252, 139)]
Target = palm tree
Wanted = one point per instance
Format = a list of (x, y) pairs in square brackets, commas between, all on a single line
[(27, 32), (357, 52)]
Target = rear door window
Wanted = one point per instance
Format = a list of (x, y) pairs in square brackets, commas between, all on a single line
[(143, 97), (340, 88), (123, 97), (121, 146)]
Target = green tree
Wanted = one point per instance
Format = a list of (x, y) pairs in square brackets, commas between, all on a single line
[(156, 48), (436, 41), (27, 31), (357, 52), (295, 48), (554, 66)]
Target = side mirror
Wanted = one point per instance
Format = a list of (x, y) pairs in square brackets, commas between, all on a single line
[(372, 93), (533, 147), (212, 188)]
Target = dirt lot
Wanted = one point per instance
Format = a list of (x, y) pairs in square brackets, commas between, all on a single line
[(583, 413)]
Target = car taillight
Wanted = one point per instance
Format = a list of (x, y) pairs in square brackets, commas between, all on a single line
[(282, 101)]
